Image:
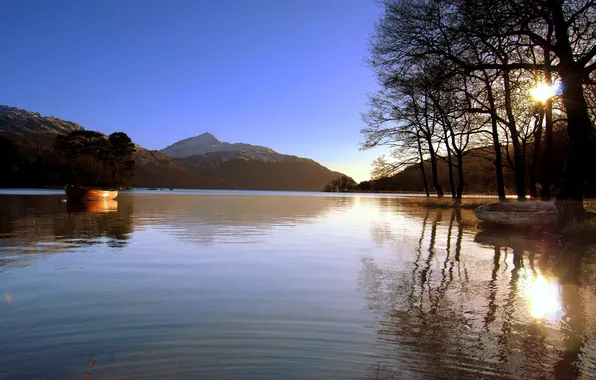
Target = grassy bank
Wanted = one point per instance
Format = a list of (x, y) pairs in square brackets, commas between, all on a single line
[(578, 233), (472, 203), (465, 203)]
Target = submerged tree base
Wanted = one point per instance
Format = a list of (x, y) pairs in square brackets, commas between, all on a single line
[(584, 232), (571, 212)]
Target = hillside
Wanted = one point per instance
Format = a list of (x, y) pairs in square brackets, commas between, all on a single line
[(479, 174), (154, 169), (249, 167), (27, 123), (252, 174), (34, 134), (219, 165)]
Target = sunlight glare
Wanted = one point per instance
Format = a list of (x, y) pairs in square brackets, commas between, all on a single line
[(542, 92), (545, 298)]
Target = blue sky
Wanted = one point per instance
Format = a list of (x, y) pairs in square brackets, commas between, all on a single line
[(286, 74)]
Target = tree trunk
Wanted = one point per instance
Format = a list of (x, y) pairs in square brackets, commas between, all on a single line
[(460, 168), (579, 129), (450, 165), (460, 175), (422, 171), (519, 166), (433, 163), (496, 142), (546, 163), (579, 126), (546, 177), (535, 154), (520, 172)]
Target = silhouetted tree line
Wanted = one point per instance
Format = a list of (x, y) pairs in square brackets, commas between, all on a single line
[(456, 75), (479, 176), (86, 158), (340, 184)]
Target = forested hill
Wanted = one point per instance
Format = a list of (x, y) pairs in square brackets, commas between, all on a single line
[(29, 157), (479, 175)]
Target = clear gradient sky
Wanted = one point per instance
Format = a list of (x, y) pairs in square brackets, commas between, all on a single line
[(286, 74)]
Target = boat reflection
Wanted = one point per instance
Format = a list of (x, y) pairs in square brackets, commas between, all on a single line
[(45, 225), (92, 206)]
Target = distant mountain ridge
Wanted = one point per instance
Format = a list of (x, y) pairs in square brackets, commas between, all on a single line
[(22, 122), (207, 143), (200, 162)]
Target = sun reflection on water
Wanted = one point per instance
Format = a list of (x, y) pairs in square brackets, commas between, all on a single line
[(545, 298)]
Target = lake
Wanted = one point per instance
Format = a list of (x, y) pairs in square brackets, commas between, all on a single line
[(265, 285)]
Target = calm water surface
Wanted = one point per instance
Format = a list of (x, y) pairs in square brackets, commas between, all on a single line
[(232, 285)]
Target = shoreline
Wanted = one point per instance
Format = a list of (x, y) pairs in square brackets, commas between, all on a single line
[(579, 233)]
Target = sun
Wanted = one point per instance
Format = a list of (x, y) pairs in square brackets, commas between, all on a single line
[(542, 92)]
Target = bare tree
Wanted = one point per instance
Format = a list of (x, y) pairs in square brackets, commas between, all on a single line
[(401, 118), (567, 29), (501, 36)]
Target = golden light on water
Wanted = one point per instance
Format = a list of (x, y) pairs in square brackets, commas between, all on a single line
[(542, 92), (545, 300)]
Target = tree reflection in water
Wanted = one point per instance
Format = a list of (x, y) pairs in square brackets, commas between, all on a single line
[(45, 224), (491, 304)]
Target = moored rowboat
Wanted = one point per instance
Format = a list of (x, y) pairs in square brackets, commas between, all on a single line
[(88, 194), (521, 214)]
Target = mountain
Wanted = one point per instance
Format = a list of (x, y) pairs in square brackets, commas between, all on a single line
[(248, 173), (211, 164), (26, 123), (249, 167), (34, 134), (207, 143), (154, 169)]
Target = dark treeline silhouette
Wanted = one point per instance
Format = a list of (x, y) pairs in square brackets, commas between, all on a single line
[(479, 176), (504, 74), (342, 183), (81, 157)]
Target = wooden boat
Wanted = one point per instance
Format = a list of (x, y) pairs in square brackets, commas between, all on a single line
[(519, 214), (88, 194)]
